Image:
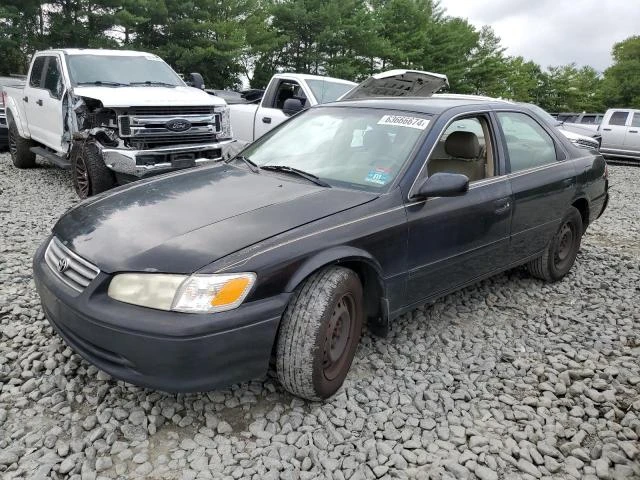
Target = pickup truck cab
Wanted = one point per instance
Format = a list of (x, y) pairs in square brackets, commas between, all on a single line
[(298, 91), (620, 131), (290, 93), (111, 116)]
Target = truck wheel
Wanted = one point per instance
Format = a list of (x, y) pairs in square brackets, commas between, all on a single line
[(560, 254), (19, 148), (319, 333), (90, 175)]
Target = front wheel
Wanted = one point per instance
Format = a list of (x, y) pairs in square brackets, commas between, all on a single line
[(319, 333), (90, 175), (560, 254)]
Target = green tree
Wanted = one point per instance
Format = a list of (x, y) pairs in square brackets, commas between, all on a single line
[(621, 85)]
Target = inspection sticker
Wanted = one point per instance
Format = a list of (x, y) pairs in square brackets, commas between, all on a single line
[(402, 121), (379, 176)]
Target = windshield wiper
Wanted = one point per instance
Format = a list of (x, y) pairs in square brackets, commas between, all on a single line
[(104, 82), (301, 173), (153, 82), (250, 163)]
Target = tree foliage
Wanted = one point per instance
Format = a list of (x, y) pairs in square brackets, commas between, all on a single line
[(235, 41)]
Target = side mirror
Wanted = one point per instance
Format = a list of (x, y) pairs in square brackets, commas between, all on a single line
[(196, 81), (443, 185), (292, 106)]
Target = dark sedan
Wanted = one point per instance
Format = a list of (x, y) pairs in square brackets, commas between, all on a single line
[(349, 213)]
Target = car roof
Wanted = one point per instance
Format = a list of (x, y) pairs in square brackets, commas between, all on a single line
[(429, 105), (97, 51)]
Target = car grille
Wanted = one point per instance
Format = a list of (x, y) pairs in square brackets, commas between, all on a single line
[(72, 269)]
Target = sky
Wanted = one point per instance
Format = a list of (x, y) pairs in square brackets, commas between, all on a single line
[(555, 32)]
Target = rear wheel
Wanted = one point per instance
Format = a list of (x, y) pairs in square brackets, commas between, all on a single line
[(90, 175), (560, 254), (319, 334), (20, 148)]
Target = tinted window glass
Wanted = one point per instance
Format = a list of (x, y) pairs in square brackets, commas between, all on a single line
[(36, 72), (635, 122), (528, 144), (52, 78), (618, 118)]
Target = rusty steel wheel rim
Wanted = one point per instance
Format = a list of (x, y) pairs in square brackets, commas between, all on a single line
[(338, 338)]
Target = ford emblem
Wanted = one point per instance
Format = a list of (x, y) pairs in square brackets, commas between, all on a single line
[(178, 125), (63, 264)]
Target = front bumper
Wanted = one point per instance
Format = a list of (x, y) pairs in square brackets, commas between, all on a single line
[(170, 351), (142, 163)]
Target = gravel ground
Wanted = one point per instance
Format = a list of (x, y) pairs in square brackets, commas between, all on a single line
[(512, 378)]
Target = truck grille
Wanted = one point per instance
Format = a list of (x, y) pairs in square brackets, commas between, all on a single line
[(72, 269)]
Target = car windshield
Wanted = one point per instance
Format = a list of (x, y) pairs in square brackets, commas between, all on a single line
[(360, 148), (118, 69), (327, 91)]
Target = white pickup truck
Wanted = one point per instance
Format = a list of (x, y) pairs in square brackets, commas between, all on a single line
[(620, 129), (289, 93), (112, 116)]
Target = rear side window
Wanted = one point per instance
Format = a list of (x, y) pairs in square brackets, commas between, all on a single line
[(618, 118), (36, 72), (52, 78), (528, 144), (635, 122)]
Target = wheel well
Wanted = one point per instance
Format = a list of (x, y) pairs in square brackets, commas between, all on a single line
[(373, 290), (583, 207)]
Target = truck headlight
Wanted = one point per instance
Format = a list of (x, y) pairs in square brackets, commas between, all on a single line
[(182, 293)]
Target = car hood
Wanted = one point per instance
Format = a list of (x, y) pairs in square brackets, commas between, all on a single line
[(398, 83), (146, 96), (181, 222)]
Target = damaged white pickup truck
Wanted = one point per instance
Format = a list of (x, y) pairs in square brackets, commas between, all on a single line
[(112, 117)]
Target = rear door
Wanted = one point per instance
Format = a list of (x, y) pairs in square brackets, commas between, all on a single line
[(632, 137), (614, 130), (270, 112), (542, 181), (43, 101)]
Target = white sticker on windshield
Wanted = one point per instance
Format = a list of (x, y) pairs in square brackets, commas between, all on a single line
[(402, 121)]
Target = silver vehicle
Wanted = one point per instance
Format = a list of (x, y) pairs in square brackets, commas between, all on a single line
[(620, 131)]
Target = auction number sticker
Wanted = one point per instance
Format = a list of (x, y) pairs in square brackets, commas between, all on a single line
[(402, 121)]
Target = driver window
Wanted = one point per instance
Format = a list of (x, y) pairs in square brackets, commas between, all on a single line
[(53, 78), (465, 147), (288, 89)]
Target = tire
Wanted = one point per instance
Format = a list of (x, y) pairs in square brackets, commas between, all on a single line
[(560, 254), (20, 148), (90, 175), (319, 333)]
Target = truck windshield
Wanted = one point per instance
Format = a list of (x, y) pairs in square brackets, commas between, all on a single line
[(120, 70), (327, 91), (360, 148)]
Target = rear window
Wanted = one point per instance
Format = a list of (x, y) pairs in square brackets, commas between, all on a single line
[(619, 118)]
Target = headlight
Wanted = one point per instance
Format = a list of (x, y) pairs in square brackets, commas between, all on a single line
[(182, 293)]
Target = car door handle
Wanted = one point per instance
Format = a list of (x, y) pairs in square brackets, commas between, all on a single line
[(39, 102), (502, 205), (607, 129), (266, 119), (25, 99), (633, 131)]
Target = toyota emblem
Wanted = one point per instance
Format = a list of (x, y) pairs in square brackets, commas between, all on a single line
[(178, 125), (63, 264)]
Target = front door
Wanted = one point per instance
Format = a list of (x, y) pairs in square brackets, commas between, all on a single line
[(543, 184), (455, 240), (270, 112), (44, 101)]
